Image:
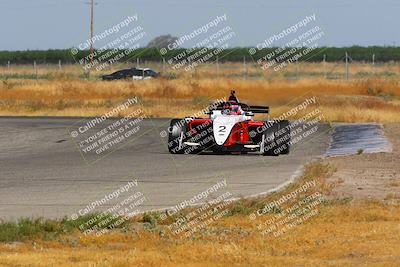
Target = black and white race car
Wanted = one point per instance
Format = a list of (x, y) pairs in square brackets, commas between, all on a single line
[(230, 128)]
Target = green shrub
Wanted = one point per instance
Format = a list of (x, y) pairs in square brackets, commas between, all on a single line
[(27, 229)]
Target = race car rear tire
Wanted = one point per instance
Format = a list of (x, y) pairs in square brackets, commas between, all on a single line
[(284, 136), (176, 136), (268, 142)]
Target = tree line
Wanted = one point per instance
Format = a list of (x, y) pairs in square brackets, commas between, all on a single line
[(330, 54)]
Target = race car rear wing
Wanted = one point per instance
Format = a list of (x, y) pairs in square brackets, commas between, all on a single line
[(258, 109), (245, 107)]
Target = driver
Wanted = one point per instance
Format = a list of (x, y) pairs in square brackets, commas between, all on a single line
[(232, 97), (232, 108)]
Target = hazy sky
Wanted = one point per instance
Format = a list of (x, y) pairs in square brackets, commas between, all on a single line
[(44, 24)]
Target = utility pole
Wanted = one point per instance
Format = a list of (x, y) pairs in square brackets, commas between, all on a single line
[(163, 64), (373, 62), (35, 69), (244, 67), (91, 31), (217, 67), (347, 66)]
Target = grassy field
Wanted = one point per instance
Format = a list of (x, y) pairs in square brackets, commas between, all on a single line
[(342, 232), (371, 95)]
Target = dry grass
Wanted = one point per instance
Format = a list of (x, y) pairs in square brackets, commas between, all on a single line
[(358, 100), (342, 234), (335, 238), (64, 92)]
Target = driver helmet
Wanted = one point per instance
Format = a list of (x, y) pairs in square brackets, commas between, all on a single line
[(232, 108)]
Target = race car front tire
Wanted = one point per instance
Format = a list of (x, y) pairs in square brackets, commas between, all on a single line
[(205, 137), (268, 145), (176, 136)]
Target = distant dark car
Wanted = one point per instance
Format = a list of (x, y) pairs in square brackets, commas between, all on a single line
[(133, 73)]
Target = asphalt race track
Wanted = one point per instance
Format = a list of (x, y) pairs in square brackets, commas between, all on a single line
[(43, 173)]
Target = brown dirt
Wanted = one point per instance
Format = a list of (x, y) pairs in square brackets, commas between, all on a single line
[(370, 176)]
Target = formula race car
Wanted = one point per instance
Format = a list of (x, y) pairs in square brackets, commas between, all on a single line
[(229, 128)]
